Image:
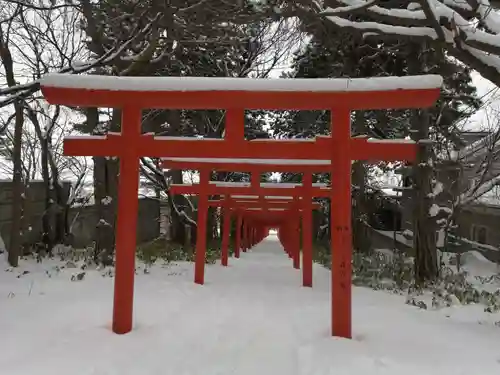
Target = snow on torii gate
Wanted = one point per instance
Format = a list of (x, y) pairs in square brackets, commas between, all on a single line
[(341, 96)]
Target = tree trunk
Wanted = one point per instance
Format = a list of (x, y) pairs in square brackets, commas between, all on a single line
[(17, 176), (48, 216), (105, 194), (178, 227), (211, 224), (60, 203), (424, 236), (47, 234), (17, 190)]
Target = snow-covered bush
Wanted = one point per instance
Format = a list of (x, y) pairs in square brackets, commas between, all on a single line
[(382, 270), (68, 253), (393, 271), (159, 249)]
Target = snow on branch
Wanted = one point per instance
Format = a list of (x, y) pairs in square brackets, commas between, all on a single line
[(467, 29), (10, 94), (476, 191)]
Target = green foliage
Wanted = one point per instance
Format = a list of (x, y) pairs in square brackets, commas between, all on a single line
[(160, 249), (321, 254), (332, 53), (335, 54), (394, 272)]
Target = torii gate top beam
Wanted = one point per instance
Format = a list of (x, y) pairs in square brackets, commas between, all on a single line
[(248, 165), (198, 92), (260, 204), (246, 189)]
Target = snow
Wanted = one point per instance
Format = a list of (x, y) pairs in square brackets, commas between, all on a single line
[(177, 138), (252, 317), (477, 266), (288, 139), (480, 245), (490, 18), (266, 197), (113, 83), (360, 4), (384, 29), (438, 189), (433, 210), (283, 185), (251, 161), (377, 140), (477, 148), (473, 193), (414, 6), (96, 137)]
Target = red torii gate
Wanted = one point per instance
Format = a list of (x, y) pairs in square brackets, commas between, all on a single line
[(264, 206), (268, 218), (133, 94), (256, 167), (262, 191), (288, 238), (301, 193)]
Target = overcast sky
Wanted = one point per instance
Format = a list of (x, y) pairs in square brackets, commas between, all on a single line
[(490, 94)]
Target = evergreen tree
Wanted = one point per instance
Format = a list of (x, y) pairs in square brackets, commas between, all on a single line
[(335, 54), (187, 40)]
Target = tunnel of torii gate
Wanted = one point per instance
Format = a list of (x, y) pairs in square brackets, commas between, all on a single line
[(295, 198), (286, 202), (254, 216), (132, 95)]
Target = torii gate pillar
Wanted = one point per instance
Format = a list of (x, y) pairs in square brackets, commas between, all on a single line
[(126, 241), (237, 242), (340, 222), (307, 251), (226, 229), (201, 230)]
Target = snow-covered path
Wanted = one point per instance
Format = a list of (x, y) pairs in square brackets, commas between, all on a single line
[(250, 318)]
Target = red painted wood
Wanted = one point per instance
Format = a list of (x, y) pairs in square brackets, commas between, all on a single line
[(126, 225), (226, 228), (295, 234), (340, 222), (237, 246), (246, 167), (236, 190), (307, 251), (318, 149), (272, 100), (201, 230), (282, 204), (340, 149)]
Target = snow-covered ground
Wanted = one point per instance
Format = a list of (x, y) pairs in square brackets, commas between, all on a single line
[(250, 318)]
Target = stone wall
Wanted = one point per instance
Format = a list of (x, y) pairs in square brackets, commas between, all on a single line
[(34, 206), (480, 215), (84, 219)]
